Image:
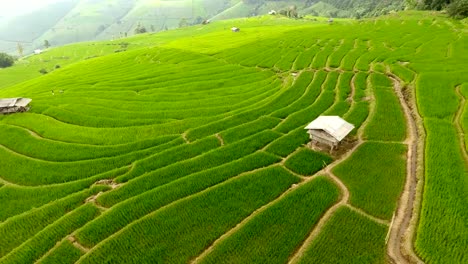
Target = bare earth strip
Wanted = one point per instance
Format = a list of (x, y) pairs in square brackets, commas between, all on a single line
[(406, 204), (458, 124), (371, 217), (221, 141), (75, 243)]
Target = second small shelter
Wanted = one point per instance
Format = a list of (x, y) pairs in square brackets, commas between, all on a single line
[(14, 105), (329, 130)]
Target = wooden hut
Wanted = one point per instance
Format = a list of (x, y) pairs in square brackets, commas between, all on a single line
[(329, 130), (14, 105), (235, 29)]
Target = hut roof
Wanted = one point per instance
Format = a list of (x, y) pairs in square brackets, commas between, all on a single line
[(333, 125), (11, 102)]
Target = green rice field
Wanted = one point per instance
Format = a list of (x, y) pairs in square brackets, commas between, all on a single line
[(188, 146)]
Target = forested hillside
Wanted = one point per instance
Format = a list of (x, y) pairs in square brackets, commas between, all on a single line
[(75, 20)]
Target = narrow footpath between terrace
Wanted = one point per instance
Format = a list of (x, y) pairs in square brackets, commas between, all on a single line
[(345, 192), (458, 124), (329, 213), (93, 199), (221, 140), (402, 219)]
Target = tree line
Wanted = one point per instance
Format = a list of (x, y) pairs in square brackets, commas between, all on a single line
[(455, 8)]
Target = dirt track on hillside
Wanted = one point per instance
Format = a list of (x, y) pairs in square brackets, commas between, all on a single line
[(405, 208)]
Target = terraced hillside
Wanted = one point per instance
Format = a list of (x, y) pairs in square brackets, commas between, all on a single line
[(190, 147)]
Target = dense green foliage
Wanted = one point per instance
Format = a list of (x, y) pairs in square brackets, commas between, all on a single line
[(137, 206), (348, 238), (375, 183), (193, 223), (444, 201), (388, 121), (307, 162), (6, 60), (43, 241), (18, 229), (272, 235), (64, 253)]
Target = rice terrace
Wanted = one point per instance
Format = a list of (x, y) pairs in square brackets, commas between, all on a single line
[(188, 145)]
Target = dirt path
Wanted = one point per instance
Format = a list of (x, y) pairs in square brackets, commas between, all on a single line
[(75, 243), (329, 213), (221, 140), (353, 90), (461, 132), (293, 173), (318, 227), (184, 137), (371, 217), (7, 183), (404, 211)]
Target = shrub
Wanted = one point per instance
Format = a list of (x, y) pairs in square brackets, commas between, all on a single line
[(458, 9), (6, 60)]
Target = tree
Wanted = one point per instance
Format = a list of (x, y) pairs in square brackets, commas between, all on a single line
[(152, 28), (183, 23), (20, 49), (458, 9), (46, 44), (140, 29), (6, 60), (198, 20), (455, 8)]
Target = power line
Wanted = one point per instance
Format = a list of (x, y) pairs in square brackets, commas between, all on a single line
[(15, 41)]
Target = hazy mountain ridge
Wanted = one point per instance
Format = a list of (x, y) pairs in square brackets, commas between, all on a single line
[(84, 20)]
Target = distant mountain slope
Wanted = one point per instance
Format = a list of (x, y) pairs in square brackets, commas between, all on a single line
[(26, 28), (163, 15), (83, 20), (333, 8), (86, 21)]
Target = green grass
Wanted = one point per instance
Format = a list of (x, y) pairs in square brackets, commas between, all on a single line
[(444, 200), (18, 199), (388, 121), (348, 238), (216, 157), (274, 234), (44, 240), (64, 253), (375, 183), (19, 229), (288, 143), (307, 162), (194, 223), (126, 212), (187, 120)]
